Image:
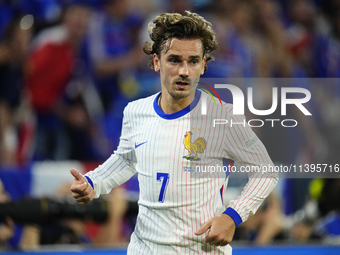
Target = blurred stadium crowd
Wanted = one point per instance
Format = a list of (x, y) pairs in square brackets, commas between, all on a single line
[(69, 67)]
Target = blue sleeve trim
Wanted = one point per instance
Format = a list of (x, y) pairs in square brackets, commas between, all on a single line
[(234, 215), (90, 181)]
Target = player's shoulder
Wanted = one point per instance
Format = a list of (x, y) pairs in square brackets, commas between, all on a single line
[(141, 105), (216, 104)]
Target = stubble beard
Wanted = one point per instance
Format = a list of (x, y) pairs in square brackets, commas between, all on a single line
[(178, 93)]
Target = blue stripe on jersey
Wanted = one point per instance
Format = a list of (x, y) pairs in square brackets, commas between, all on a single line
[(228, 163), (180, 113), (106, 170), (122, 162), (221, 193)]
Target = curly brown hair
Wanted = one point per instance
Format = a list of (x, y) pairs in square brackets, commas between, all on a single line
[(174, 25)]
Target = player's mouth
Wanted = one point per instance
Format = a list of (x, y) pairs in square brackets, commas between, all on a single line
[(182, 84)]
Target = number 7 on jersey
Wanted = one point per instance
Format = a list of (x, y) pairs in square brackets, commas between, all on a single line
[(165, 178)]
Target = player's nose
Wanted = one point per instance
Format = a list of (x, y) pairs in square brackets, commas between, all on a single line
[(184, 70)]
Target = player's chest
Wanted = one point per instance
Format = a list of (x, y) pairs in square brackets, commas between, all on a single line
[(175, 145)]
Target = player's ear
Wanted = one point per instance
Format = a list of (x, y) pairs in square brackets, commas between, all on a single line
[(156, 62), (203, 65)]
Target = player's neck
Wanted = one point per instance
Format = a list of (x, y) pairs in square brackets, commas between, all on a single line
[(170, 105)]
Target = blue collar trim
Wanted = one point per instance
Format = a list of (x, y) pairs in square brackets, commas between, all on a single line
[(180, 113)]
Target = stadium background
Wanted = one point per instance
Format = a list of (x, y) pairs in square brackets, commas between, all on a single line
[(66, 74)]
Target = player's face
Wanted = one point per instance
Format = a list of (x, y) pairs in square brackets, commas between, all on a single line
[(177, 65)]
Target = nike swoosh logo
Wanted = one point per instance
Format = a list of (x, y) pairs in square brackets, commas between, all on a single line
[(137, 145)]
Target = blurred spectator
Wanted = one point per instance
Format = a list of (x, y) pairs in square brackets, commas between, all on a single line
[(145, 7), (13, 49), (230, 20), (327, 119), (64, 127), (327, 59), (115, 54), (6, 13), (46, 13), (273, 58), (312, 37), (302, 33), (113, 44), (180, 6), (257, 48)]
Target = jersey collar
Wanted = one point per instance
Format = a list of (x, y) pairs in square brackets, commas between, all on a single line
[(180, 113)]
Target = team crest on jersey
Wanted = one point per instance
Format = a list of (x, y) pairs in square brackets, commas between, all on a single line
[(198, 146)]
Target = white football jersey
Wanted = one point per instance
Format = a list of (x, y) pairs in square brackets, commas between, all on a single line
[(176, 157)]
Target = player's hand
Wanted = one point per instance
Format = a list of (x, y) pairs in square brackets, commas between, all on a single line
[(221, 230), (81, 190)]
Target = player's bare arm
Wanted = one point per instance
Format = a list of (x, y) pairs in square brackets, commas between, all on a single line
[(221, 230), (81, 190)]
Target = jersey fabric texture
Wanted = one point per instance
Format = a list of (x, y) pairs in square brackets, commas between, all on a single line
[(175, 199)]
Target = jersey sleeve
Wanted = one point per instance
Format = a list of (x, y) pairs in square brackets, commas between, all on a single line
[(243, 146), (120, 166)]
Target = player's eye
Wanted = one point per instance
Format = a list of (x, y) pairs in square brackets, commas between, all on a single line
[(194, 61), (174, 61)]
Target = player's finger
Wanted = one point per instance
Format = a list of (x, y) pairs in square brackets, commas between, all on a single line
[(76, 195), (87, 190), (215, 243), (80, 189), (212, 239), (77, 175), (83, 200), (209, 238), (203, 229)]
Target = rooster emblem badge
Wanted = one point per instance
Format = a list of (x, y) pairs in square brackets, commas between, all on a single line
[(197, 147)]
